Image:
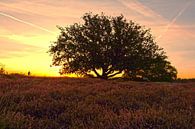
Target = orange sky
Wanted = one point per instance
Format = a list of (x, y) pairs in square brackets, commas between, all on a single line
[(28, 28)]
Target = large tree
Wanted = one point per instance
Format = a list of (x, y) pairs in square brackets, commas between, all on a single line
[(105, 46)]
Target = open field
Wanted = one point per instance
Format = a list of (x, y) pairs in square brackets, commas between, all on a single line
[(49, 103)]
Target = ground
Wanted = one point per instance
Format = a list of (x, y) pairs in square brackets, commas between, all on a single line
[(63, 103)]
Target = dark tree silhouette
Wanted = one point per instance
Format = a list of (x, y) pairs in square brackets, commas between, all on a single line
[(29, 73), (156, 71), (2, 69), (107, 46)]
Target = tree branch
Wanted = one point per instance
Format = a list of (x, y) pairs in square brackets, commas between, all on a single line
[(98, 75), (110, 70), (104, 70), (115, 74)]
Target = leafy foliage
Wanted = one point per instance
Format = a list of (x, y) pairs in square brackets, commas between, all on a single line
[(107, 46), (59, 103), (158, 71)]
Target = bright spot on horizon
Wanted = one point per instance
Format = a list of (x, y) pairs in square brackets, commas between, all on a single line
[(28, 28)]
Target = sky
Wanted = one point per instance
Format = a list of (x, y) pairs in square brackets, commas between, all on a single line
[(27, 29)]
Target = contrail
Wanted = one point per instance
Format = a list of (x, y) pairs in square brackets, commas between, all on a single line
[(139, 8), (27, 23), (174, 19)]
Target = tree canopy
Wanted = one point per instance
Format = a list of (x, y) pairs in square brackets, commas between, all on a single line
[(106, 46)]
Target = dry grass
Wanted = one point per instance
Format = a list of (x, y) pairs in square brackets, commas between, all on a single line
[(60, 103)]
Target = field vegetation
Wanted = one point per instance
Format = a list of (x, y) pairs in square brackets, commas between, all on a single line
[(71, 103)]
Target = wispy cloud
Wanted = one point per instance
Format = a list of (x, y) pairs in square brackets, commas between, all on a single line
[(174, 19), (10, 48), (26, 22), (140, 8)]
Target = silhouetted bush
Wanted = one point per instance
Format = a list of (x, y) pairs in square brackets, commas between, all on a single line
[(2, 69)]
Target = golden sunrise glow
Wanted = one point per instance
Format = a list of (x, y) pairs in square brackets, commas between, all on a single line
[(28, 28)]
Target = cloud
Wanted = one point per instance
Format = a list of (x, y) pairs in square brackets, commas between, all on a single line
[(27, 23), (177, 35), (10, 49), (140, 8), (174, 19), (41, 41)]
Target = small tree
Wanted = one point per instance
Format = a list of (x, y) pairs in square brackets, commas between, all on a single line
[(106, 46), (2, 69)]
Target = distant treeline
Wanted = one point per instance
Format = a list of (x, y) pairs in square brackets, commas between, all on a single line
[(185, 80)]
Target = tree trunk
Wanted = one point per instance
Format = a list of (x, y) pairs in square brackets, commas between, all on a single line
[(105, 75)]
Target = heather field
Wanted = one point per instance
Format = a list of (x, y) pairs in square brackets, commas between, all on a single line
[(70, 103)]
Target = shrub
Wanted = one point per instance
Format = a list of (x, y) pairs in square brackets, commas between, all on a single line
[(49, 103)]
